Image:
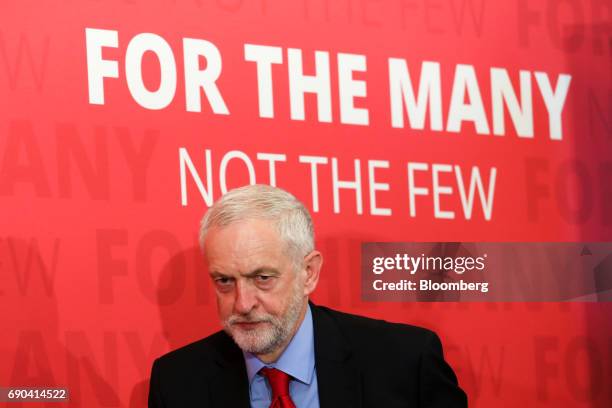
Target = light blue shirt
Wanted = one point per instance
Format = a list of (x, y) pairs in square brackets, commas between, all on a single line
[(298, 360)]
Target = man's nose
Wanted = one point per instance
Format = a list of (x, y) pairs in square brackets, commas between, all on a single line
[(245, 297)]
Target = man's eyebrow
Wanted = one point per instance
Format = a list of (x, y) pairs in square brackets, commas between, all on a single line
[(259, 271), (215, 274), (263, 270)]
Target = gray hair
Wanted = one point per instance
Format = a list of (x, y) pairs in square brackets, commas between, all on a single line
[(291, 219)]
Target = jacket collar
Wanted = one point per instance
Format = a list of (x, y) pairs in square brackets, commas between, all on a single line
[(338, 378)]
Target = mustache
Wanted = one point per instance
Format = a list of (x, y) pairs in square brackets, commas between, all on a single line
[(248, 319)]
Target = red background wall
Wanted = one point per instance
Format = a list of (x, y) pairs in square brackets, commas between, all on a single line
[(99, 267)]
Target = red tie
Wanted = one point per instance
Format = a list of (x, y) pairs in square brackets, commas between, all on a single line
[(279, 381)]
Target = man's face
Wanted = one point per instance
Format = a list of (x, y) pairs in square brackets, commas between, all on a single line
[(261, 299)]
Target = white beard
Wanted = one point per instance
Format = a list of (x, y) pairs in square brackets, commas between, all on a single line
[(272, 332)]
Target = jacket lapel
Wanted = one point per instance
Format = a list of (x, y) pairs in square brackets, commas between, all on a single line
[(230, 386), (338, 379)]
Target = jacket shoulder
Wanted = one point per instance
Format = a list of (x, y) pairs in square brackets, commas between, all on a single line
[(365, 325), (368, 333), (206, 349)]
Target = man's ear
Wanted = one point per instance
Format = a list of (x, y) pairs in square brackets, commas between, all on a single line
[(312, 266)]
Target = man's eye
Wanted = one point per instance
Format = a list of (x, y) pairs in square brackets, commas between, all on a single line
[(263, 278), (223, 281)]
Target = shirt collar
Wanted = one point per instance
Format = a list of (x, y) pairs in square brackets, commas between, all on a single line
[(297, 360)]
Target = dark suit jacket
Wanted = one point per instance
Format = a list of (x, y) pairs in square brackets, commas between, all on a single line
[(359, 362)]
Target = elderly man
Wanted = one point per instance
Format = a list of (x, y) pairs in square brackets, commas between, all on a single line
[(277, 349)]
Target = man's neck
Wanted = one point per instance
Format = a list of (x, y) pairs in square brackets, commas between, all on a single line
[(274, 355)]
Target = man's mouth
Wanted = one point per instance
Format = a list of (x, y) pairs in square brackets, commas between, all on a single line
[(246, 325)]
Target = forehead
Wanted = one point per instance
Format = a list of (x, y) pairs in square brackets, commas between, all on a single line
[(244, 246)]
